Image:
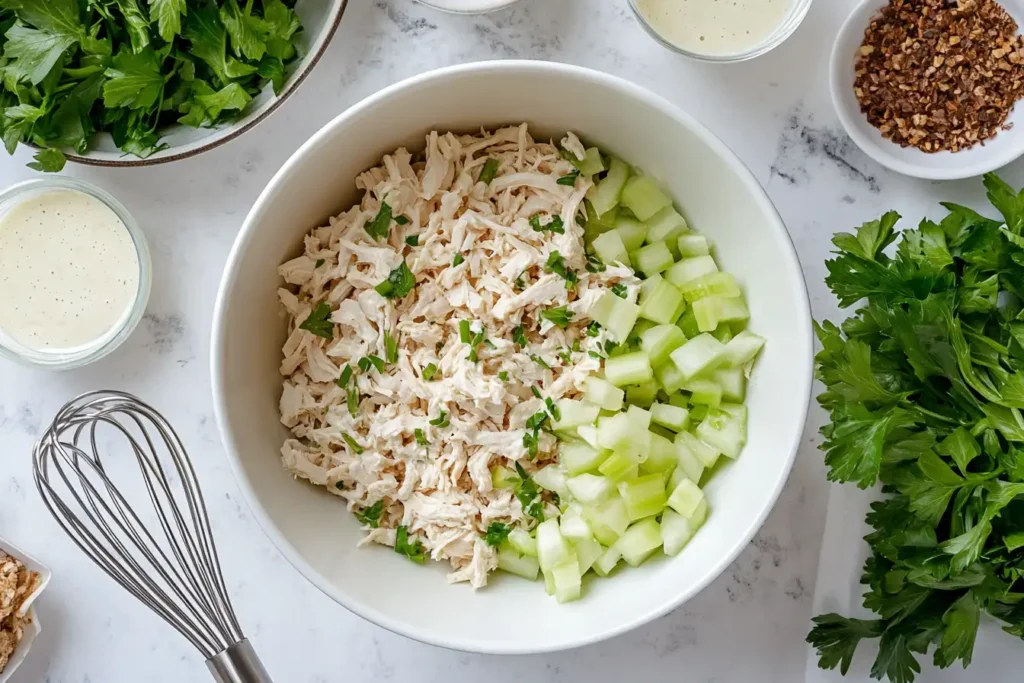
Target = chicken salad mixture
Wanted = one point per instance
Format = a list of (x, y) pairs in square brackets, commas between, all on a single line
[(433, 328)]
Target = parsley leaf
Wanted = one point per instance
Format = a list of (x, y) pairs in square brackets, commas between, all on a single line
[(458, 260), (402, 220), (429, 372), (48, 160), (519, 335), (443, 420), (414, 551), (367, 362), (593, 329), (400, 282), (380, 225), (497, 533), (529, 495), (620, 290), (353, 444), (556, 264), (371, 516), (412, 240), (167, 14), (345, 377), (560, 316), (569, 179), (421, 437), (352, 400), (489, 171), (319, 321), (595, 265), (390, 348), (134, 80), (555, 225), (503, 376), (540, 361)]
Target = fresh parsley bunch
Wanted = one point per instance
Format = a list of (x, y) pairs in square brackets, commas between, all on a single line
[(925, 386), (71, 68)]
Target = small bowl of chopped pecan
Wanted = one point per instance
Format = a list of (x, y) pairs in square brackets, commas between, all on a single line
[(22, 580), (929, 88)]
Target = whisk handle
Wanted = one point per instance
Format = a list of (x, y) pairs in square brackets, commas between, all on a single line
[(238, 664)]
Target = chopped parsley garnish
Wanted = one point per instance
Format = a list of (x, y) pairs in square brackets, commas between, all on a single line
[(610, 346), (366, 362), (537, 420), (555, 225), (319, 262), (497, 533), (489, 171), (345, 377), (381, 223), (429, 372), (413, 240), (593, 329), (569, 179), (390, 348), (353, 400), (529, 495), (519, 282), (595, 265), (401, 220), (503, 376), (353, 444), (536, 392), (552, 408), (540, 361), (576, 346), (442, 420), (458, 260), (371, 516), (595, 355), (465, 334), (620, 290), (519, 335), (560, 316), (566, 356), (556, 265), (400, 282), (475, 343), (319, 321), (414, 551), (421, 437)]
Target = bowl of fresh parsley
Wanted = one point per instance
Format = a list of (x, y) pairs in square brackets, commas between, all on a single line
[(139, 82)]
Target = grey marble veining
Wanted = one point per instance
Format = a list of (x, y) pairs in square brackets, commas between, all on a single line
[(748, 625)]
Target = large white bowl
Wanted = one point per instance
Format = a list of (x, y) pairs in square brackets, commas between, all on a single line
[(719, 196)]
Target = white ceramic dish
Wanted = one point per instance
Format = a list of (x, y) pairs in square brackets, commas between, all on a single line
[(1005, 148), (35, 628), (468, 6), (320, 20), (313, 529)]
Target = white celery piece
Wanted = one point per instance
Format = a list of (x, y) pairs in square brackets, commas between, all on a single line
[(574, 413), (551, 478), (603, 393), (574, 528), (689, 463), (608, 519), (742, 349), (676, 531), (629, 368), (606, 563), (712, 284), (664, 305), (723, 432), (732, 381), (643, 197), (605, 195), (652, 259), (577, 458), (609, 248), (711, 311), (660, 341), (620, 466), (639, 541), (588, 551), (670, 417), (644, 496), (631, 231), (591, 163), (552, 548), (705, 454), (614, 432), (686, 498), (689, 269), (616, 315), (522, 542), (567, 580), (691, 245), (520, 565), (663, 458), (669, 377), (589, 489), (589, 435), (704, 391), (666, 225), (700, 354), (640, 418)]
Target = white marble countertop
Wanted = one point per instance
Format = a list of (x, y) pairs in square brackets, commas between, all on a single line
[(748, 625)]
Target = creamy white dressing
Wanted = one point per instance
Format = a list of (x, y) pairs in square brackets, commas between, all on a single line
[(69, 271), (715, 27)]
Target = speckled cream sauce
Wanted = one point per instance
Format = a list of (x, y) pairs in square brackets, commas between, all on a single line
[(715, 27), (69, 271)]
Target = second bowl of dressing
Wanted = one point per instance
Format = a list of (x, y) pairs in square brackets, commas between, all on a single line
[(74, 271), (720, 30)]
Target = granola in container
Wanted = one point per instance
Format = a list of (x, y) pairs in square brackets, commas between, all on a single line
[(17, 585)]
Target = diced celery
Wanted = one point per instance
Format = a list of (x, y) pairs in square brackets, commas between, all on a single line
[(567, 580), (552, 548), (630, 368), (606, 563), (678, 474), (589, 435), (737, 410), (591, 164), (724, 432), (660, 341), (661, 431), (704, 453), (713, 310), (577, 458), (549, 582), (606, 194), (520, 565), (639, 418), (603, 393), (574, 528), (522, 542), (663, 458), (641, 394), (669, 377), (614, 431), (644, 496), (616, 315), (679, 400), (551, 478), (619, 467), (652, 259), (647, 288), (631, 231), (608, 520), (609, 248), (689, 463), (697, 412), (640, 446), (704, 391), (700, 354), (574, 413), (643, 197), (742, 349), (589, 489), (685, 498), (688, 324), (605, 222), (689, 269), (504, 478), (712, 284), (663, 304), (639, 541), (723, 333), (587, 553), (693, 245), (676, 531), (732, 381), (666, 225), (669, 416)]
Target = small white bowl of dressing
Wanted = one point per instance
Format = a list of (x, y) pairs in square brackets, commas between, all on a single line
[(74, 271), (718, 30)]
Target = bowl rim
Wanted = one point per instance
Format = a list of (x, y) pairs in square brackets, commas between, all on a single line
[(857, 22), (22, 650), (229, 132), (219, 387)]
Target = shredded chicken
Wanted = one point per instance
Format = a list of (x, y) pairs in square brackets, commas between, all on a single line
[(371, 441)]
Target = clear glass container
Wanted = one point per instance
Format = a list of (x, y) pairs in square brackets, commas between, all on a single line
[(795, 17), (103, 345)]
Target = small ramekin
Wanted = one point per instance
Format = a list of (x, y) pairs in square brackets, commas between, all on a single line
[(33, 629), (787, 28), (50, 360), (486, 6)]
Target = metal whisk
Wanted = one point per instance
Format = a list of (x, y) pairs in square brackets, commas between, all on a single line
[(173, 569)]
